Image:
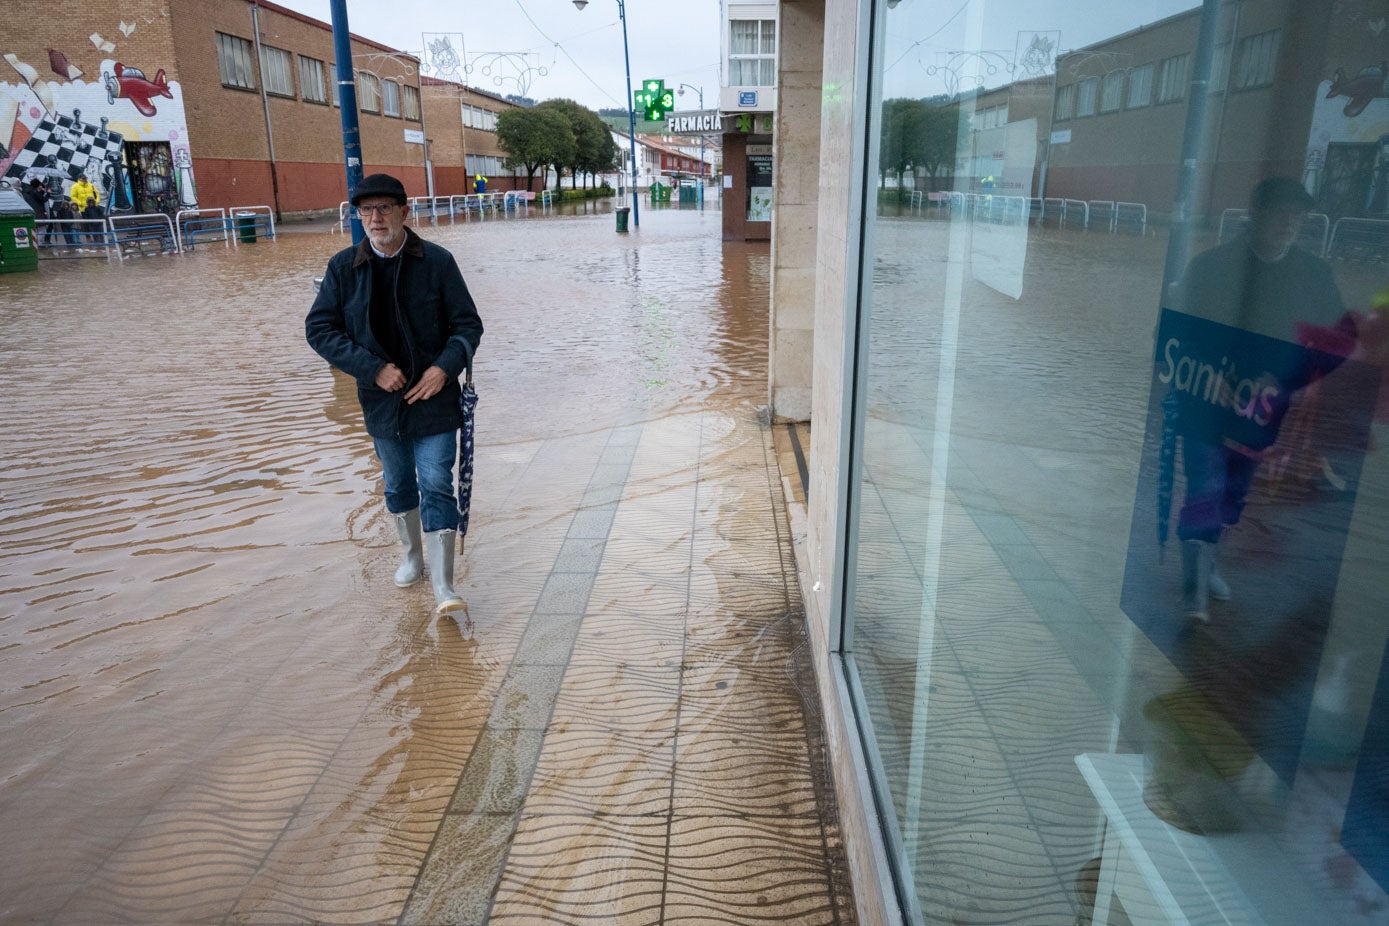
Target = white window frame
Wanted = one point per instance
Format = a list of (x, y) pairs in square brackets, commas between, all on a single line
[(277, 70), (1087, 96), (235, 61), (1256, 60), (762, 59), (1172, 78), (410, 102), (390, 98), (311, 89), (368, 92), (1220, 68), (1112, 92), (1066, 103), (1140, 87)]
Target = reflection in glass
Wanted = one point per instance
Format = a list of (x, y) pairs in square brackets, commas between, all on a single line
[(1122, 502)]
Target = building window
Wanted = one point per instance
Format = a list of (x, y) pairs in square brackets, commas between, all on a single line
[(1220, 67), (752, 53), (275, 70), (412, 102), (1066, 102), (1172, 78), (475, 117), (1085, 96), (1111, 91), (333, 84), (368, 92), (1255, 59), (311, 80), (991, 117), (1140, 86), (390, 98), (235, 62)]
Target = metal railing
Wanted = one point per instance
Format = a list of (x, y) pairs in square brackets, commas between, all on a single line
[(131, 233), (1359, 239), (1131, 215), (76, 238), (1076, 205), (1315, 235), (263, 220), (1102, 212), (190, 225)]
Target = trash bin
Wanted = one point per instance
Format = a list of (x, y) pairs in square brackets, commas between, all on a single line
[(688, 193), (622, 214), (18, 249), (246, 226)]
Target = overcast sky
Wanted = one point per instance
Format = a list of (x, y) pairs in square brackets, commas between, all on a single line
[(580, 52)]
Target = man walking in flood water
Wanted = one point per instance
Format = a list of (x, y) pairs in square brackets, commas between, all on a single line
[(394, 313)]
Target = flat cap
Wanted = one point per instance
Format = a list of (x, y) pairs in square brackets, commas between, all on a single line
[(379, 185)]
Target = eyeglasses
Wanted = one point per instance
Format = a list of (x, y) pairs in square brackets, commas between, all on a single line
[(379, 209)]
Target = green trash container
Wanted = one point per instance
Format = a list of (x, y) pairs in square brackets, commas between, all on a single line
[(18, 249), (689, 193), (246, 226), (622, 214)]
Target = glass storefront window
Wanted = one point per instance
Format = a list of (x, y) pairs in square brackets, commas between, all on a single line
[(1116, 607)]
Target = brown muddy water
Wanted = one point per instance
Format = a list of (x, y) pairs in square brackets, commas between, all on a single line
[(212, 707)]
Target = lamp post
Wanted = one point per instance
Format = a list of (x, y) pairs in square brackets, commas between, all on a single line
[(631, 113), (700, 91)]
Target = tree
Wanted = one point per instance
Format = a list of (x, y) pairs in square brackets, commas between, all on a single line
[(917, 134), (593, 150), (533, 138), (519, 100)]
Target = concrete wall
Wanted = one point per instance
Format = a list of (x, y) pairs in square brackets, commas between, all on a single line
[(796, 154)]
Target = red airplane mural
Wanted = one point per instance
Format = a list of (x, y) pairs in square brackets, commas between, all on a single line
[(131, 84)]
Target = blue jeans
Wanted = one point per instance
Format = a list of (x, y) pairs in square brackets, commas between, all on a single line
[(1217, 483), (419, 474)]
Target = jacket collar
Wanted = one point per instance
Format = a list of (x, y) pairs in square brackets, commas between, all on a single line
[(414, 246)]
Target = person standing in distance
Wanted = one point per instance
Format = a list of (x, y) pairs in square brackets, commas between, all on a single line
[(394, 313)]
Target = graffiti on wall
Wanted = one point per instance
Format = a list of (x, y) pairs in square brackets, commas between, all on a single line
[(98, 115), (1347, 163)]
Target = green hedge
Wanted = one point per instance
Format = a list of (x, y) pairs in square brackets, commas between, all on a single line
[(567, 195)]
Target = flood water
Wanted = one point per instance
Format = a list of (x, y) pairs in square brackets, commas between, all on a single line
[(209, 698)]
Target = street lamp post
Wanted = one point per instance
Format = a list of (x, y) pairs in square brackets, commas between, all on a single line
[(631, 112), (700, 91)]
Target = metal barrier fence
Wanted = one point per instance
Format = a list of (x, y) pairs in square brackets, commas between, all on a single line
[(76, 238), (1314, 236), (1130, 215), (1359, 239), (132, 233), (192, 225), (1076, 205), (246, 221), (1102, 212)]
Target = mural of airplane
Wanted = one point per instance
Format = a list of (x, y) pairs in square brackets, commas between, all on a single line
[(131, 84), (1370, 84)]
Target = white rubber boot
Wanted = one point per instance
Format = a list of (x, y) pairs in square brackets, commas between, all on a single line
[(1197, 557), (1219, 588), (439, 549), (407, 525)]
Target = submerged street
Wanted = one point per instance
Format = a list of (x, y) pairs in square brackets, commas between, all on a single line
[(217, 707)]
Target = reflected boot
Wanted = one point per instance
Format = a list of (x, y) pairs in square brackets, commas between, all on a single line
[(1217, 586), (1198, 557), (439, 548), (407, 525)]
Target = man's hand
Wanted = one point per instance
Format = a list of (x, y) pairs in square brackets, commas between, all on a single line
[(390, 378), (430, 385)]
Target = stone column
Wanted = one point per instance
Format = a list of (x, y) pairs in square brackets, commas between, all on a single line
[(796, 162)]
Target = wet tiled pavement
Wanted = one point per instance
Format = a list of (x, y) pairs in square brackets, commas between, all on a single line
[(217, 707)]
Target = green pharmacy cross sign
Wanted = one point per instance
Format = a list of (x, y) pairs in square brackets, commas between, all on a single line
[(654, 100)]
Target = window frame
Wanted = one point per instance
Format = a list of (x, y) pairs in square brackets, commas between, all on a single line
[(278, 63), (1113, 81), (411, 106), (368, 102), (1087, 87), (1179, 84), (1240, 77), (1066, 103), (1145, 82), (390, 107), (763, 57), (228, 44), (311, 90)]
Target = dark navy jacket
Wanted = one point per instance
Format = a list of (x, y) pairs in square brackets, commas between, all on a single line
[(441, 328)]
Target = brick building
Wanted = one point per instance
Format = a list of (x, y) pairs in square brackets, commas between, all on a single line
[(168, 104), (462, 129)]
